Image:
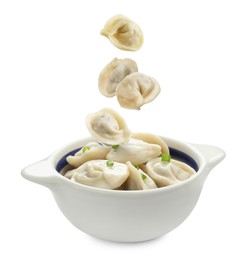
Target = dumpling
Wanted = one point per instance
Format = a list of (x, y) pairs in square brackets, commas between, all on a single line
[(168, 173), (123, 33), (113, 73), (151, 139), (138, 180), (108, 127), (91, 151), (137, 89), (69, 174), (101, 174), (135, 151)]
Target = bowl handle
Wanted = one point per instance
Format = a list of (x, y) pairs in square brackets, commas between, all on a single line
[(41, 173), (212, 154)]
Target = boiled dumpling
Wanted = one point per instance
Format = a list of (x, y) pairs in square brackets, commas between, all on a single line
[(69, 174), (108, 127), (138, 180), (91, 151), (137, 89), (123, 33), (152, 139), (168, 173), (113, 73), (135, 151), (101, 174)]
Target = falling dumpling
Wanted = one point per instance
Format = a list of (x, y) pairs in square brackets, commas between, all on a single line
[(101, 174), (152, 139), (168, 173), (123, 33), (137, 89), (135, 151), (91, 151), (113, 73), (138, 180), (108, 127)]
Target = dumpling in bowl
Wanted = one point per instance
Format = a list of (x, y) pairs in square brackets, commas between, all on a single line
[(168, 173), (138, 180), (108, 127), (68, 174), (151, 139), (135, 151), (137, 89), (113, 73), (91, 151), (101, 174), (123, 33)]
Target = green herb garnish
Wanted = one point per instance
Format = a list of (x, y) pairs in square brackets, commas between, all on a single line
[(143, 176), (137, 167), (115, 146), (109, 163), (86, 148), (166, 157)]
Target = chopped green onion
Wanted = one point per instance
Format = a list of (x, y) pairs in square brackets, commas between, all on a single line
[(143, 176), (115, 146), (109, 163), (86, 148), (166, 157), (137, 167)]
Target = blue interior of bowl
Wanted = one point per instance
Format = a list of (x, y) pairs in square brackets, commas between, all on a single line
[(175, 154)]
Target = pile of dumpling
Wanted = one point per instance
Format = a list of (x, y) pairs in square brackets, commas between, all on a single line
[(121, 160)]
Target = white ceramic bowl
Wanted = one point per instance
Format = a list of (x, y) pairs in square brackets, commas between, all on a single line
[(126, 216)]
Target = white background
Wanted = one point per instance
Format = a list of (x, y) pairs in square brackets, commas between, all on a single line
[(50, 56)]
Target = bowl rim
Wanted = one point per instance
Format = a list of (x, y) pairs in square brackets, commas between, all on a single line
[(187, 148)]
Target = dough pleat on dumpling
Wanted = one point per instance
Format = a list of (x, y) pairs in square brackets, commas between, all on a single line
[(168, 173)]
